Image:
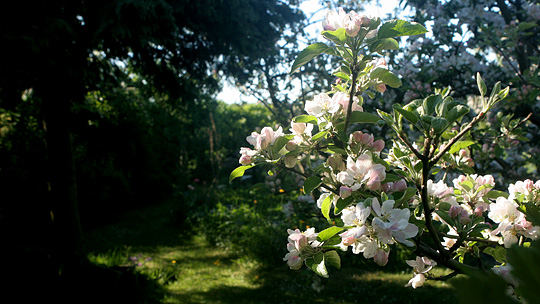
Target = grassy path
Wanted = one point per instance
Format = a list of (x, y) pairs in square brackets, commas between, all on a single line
[(190, 270)]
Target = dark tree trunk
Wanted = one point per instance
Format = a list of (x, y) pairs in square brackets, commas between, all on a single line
[(57, 94)]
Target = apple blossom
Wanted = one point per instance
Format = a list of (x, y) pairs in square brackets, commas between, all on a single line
[(321, 105), (420, 266), (362, 172), (392, 223), (335, 20), (267, 137)]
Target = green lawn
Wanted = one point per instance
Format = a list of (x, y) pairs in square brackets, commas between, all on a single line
[(185, 268)]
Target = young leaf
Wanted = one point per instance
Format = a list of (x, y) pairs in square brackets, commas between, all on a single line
[(456, 113), (328, 233), (532, 213), (342, 203), (320, 135), (317, 264), (306, 119), (384, 44), (411, 116), (325, 207), (239, 172), (308, 54), (481, 85), (460, 145), (311, 183), (334, 149), (338, 36), (397, 28), (332, 259), (386, 76), (439, 124), (430, 103), (445, 217)]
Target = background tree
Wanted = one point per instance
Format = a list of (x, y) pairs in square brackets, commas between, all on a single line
[(75, 76)]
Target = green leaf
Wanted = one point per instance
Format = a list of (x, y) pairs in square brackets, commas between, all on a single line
[(278, 144), (392, 80), (317, 264), (306, 119), (359, 117), (320, 135), (526, 269), (308, 54), (363, 117), (385, 76), (522, 26), (342, 203), (328, 233), (439, 124), (335, 149), (498, 252), (493, 194), (460, 145), (445, 217), (532, 213), (456, 113), (342, 76), (325, 207), (397, 28), (338, 36), (430, 104), (481, 85), (239, 172), (482, 287), (411, 116), (384, 44), (391, 178), (311, 183), (332, 259)]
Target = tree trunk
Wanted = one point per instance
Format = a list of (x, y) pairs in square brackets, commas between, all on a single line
[(68, 242)]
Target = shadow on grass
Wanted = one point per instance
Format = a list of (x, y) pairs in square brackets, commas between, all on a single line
[(344, 286), (216, 276)]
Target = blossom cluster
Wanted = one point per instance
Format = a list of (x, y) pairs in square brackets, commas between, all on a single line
[(301, 245), (388, 198), (352, 22)]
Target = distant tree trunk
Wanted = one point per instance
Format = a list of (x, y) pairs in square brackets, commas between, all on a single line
[(56, 93)]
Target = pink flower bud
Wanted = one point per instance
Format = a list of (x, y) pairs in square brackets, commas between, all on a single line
[(528, 185), (455, 211), (348, 241), (245, 160), (367, 139), (464, 217), (365, 20), (400, 186), (381, 88), (387, 187), (357, 136), (298, 127), (479, 210), (345, 192), (378, 145), (381, 257)]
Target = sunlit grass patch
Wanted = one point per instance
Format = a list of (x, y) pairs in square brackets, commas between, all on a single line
[(190, 268)]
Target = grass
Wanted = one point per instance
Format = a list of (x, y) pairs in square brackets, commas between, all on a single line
[(188, 269)]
